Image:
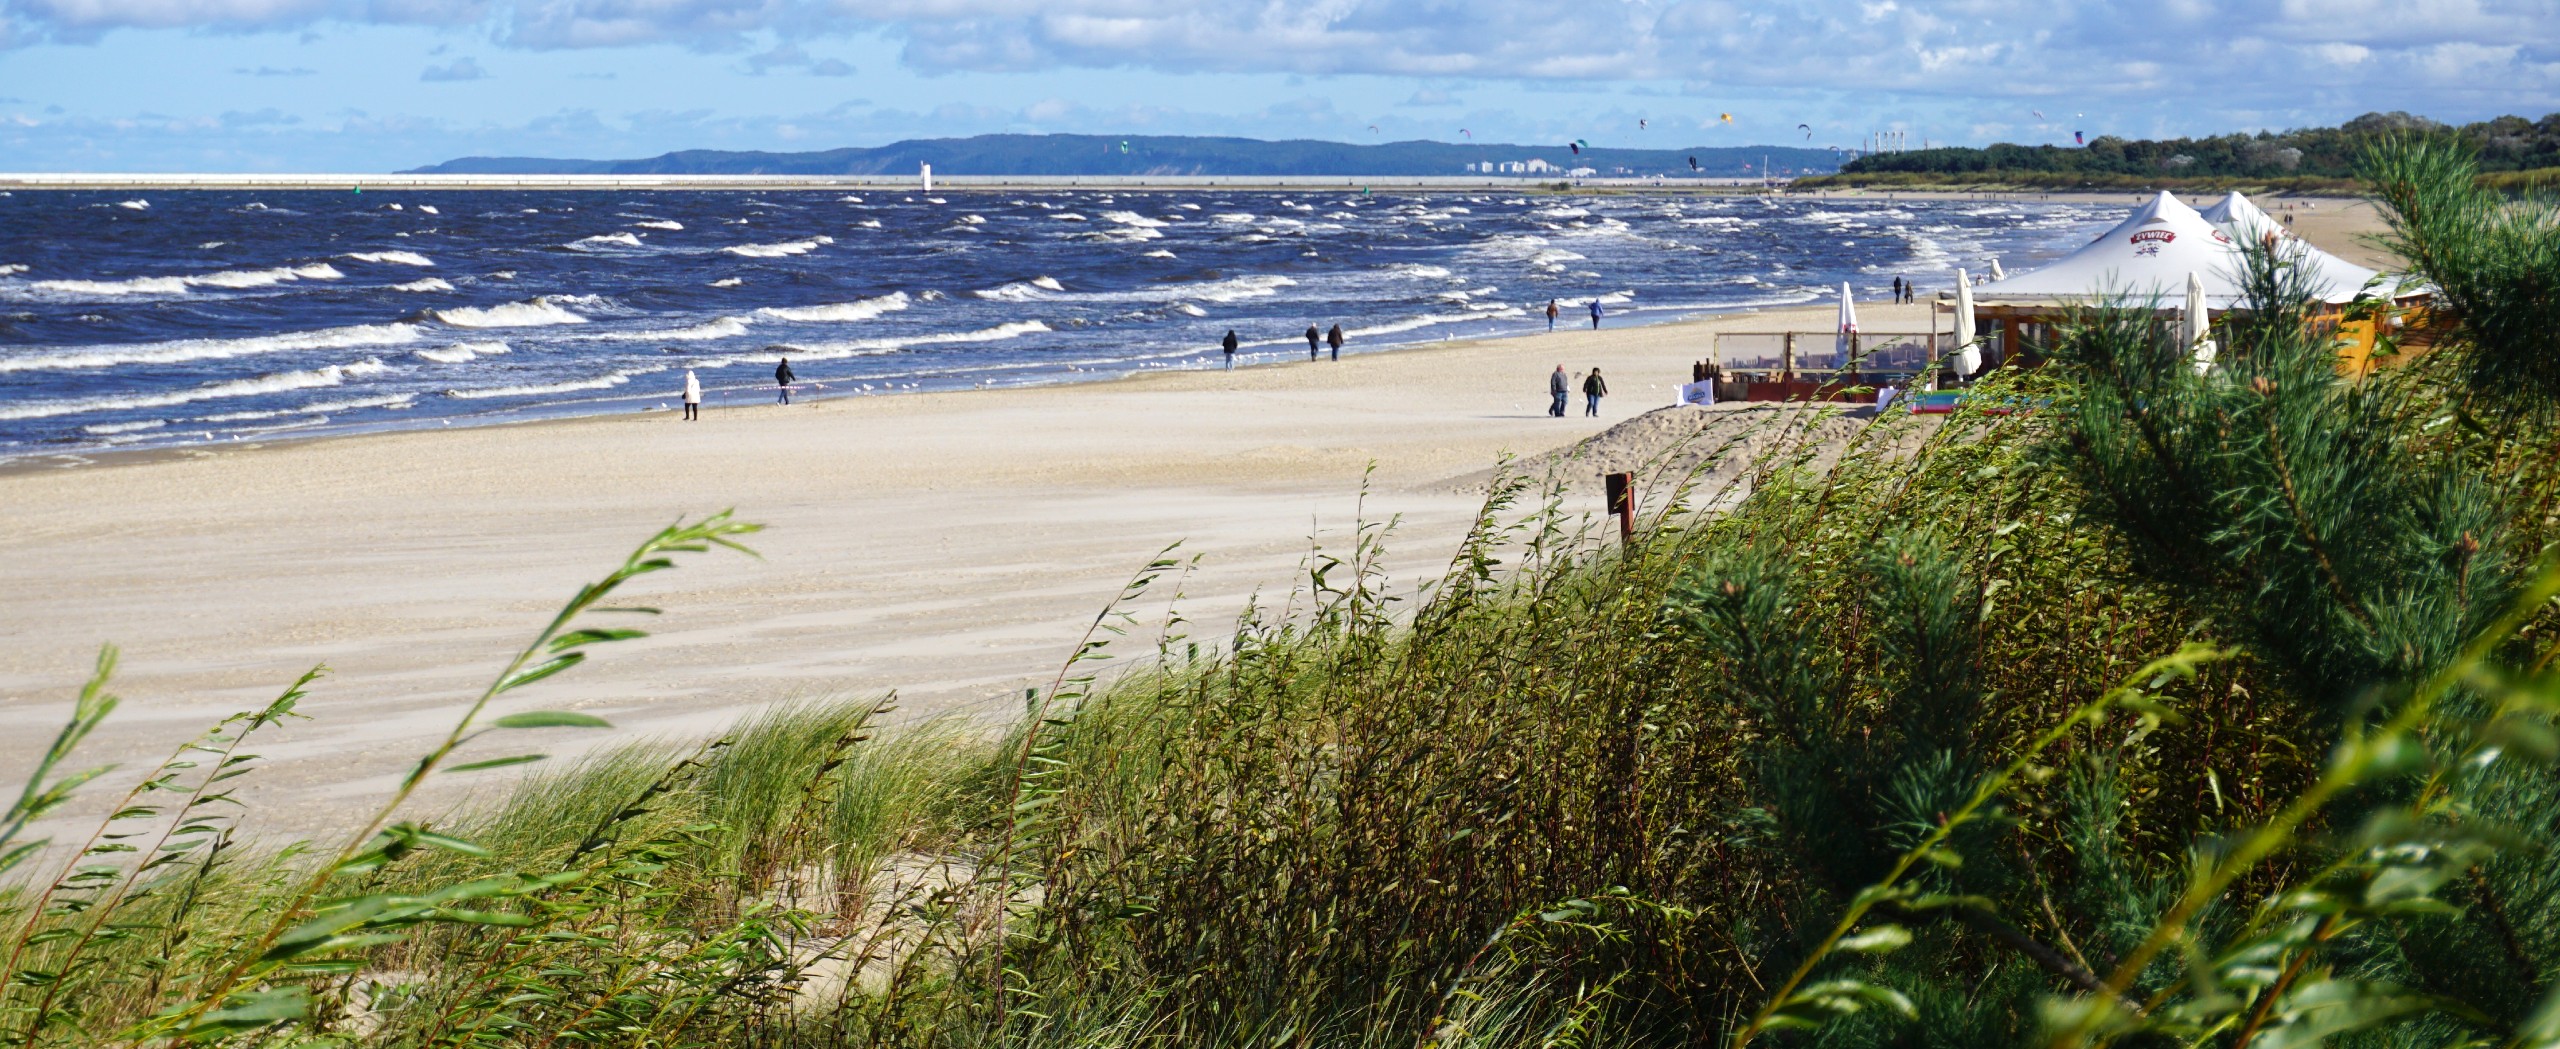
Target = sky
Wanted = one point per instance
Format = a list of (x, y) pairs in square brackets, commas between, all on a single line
[(383, 85)]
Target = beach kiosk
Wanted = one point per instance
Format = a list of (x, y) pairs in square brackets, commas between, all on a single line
[(2165, 252)]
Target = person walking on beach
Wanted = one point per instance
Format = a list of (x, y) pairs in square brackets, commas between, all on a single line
[(1314, 338), (1557, 387), (1229, 344), (782, 379), (1553, 311), (1595, 315), (1334, 338), (1897, 289), (1593, 388), (692, 396)]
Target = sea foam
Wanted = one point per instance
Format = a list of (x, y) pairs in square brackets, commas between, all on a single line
[(278, 382), (775, 251), (184, 350), (534, 314), (839, 312), (403, 258)]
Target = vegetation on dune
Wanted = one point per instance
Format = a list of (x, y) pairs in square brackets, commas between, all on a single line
[(2197, 709), (2513, 153)]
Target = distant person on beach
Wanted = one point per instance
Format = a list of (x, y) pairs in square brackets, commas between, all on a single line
[(1595, 315), (1593, 388), (1334, 338), (1553, 311), (692, 396), (1229, 344), (1897, 289), (1314, 339), (782, 379), (1558, 387)]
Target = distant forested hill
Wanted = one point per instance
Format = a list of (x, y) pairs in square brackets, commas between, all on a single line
[(2506, 144), (1108, 155)]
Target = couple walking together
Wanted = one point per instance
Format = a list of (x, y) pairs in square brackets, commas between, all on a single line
[(1560, 387)]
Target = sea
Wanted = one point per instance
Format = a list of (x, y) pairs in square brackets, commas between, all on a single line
[(179, 318)]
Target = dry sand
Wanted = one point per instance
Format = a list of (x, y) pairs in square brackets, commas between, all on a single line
[(950, 547)]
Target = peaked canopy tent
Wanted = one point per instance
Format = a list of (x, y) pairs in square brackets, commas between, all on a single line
[(2150, 253), (2248, 224), (2154, 255)]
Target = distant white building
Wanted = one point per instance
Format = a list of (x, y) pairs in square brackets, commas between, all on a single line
[(1582, 172), (1536, 165)]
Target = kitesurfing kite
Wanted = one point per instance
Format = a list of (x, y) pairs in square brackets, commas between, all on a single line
[(1726, 117), (1693, 163), (2077, 140), (2038, 112), (1124, 147), (1579, 144), (1471, 136), (1808, 131), (1642, 123), (1373, 129)]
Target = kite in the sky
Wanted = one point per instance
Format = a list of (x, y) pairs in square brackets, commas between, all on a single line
[(1576, 147), (2038, 112), (1693, 163), (2077, 140), (1808, 131), (1642, 123), (1124, 147), (1471, 136), (1726, 117), (1373, 129)]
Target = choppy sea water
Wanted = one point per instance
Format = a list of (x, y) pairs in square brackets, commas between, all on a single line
[(190, 317)]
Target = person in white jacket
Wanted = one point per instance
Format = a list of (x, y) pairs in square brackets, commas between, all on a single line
[(692, 396)]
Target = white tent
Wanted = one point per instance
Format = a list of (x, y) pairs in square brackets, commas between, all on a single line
[(1846, 344), (2148, 256), (2247, 224)]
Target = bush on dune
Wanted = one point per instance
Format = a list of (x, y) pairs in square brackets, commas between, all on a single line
[(2211, 709)]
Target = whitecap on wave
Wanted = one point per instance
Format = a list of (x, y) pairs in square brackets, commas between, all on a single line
[(604, 240), (404, 258), (827, 351), (542, 311), (666, 224), (229, 279), (1021, 291), (428, 284), (840, 311), (184, 350), (461, 352), (278, 382), (775, 251), (601, 382)]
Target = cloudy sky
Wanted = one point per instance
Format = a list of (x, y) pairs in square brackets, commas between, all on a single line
[(374, 85)]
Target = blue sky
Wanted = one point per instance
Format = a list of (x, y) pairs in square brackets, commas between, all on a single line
[(376, 85)]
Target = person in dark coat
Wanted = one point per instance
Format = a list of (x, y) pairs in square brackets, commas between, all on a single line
[(1229, 344), (1595, 315), (1593, 388), (1559, 388), (1334, 338), (1314, 338), (782, 379)]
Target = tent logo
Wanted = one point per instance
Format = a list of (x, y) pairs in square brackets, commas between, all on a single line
[(2161, 235)]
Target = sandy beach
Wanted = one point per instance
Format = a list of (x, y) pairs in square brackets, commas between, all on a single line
[(947, 547)]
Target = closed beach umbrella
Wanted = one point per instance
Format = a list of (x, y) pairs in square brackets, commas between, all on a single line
[(2195, 325), (1968, 356), (1996, 272), (1848, 341)]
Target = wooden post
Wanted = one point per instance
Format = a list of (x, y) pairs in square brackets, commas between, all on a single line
[(1787, 358), (1622, 502)]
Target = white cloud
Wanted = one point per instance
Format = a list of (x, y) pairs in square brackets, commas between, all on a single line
[(464, 68)]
